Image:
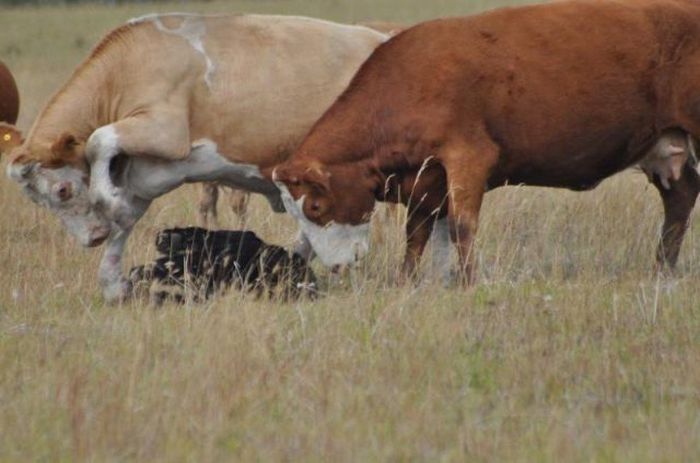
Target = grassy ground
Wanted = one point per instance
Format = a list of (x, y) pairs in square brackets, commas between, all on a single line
[(568, 349)]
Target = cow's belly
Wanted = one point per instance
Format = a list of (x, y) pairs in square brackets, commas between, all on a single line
[(577, 161), (575, 176), (149, 178)]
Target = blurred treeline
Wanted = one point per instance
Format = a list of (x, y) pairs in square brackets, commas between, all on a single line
[(73, 2)]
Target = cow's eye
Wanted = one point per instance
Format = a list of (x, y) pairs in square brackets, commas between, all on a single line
[(64, 191)]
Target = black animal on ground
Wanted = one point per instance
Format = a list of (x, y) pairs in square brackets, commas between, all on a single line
[(201, 262)]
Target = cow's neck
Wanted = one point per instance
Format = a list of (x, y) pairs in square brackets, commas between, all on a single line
[(77, 109), (374, 142)]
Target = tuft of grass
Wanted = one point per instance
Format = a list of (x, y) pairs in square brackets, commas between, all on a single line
[(568, 349)]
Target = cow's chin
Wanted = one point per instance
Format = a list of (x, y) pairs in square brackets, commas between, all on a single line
[(337, 244), (334, 243)]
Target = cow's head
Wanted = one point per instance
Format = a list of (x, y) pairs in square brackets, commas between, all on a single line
[(333, 205), (55, 175)]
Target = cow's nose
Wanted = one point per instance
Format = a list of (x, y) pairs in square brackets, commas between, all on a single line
[(98, 234)]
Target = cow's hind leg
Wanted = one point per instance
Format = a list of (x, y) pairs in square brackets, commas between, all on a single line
[(238, 199), (419, 226), (158, 134), (208, 200), (468, 167), (678, 201)]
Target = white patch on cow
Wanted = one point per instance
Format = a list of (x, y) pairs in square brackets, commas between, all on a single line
[(334, 243), (441, 256), (102, 146), (101, 141), (191, 29)]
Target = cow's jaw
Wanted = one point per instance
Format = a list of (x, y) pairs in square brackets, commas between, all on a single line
[(77, 215), (334, 243)]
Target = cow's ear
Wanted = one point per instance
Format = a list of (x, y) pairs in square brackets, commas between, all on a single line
[(64, 147), (286, 175), (318, 176), (21, 168)]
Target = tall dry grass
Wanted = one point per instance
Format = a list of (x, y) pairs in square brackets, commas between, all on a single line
[(568, 349)]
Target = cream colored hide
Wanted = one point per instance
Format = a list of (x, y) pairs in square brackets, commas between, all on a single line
[(668, 156), (184, 98)]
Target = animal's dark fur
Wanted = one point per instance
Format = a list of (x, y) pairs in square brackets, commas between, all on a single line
[(204, 261)]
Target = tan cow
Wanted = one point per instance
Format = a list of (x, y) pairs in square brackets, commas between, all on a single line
[(169, 99), (559, 95)]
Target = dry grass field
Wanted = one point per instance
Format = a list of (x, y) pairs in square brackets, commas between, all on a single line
[(568, 349)]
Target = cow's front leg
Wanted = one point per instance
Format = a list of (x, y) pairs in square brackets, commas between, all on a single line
[(115, 287), (679, 200), (161, 134)]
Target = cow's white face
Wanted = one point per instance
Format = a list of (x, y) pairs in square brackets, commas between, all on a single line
[(64, 191), (334, 243), (333, 205)]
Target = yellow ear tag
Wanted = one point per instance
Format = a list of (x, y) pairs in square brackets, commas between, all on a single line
[(7, 137)]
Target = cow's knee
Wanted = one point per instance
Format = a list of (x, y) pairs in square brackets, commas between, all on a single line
[(101, 148)]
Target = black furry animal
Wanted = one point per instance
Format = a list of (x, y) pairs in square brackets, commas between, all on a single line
[(205, 261)]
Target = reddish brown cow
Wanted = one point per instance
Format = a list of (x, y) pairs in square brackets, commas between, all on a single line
[(9, 96), (558, 95)]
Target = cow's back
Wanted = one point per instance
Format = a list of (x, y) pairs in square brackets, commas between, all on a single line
[(253, 84), (536, 87), (9, 96)]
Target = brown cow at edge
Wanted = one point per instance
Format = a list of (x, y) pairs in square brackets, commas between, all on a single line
[(9, 109), (9, 96), (557, 95)]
